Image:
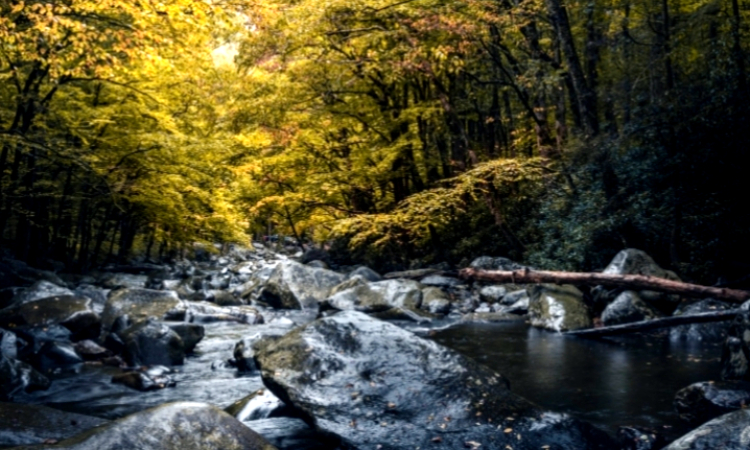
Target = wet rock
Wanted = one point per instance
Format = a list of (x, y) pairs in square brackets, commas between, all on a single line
[(513, 297), (36, 337), (702, 332), (190, 333), (224, 298), (628, 307), (146, 378), (261, 404), (150, 342), (74, 313), (55, 355), (558, 308), (735, 358), (139, 304), (701, 402), (173, 426), (377, 386), (17, 376), (640, 438), (365, 273), (317, 264), (440, 281), (39, 290), (745, 306), (636, 262), (90, 350), (295, 286), (499, 263), (728, 432), (33, 424), (435, 301), (125, 281), (359, 298), (520, 307), (492, 294), (8, 344), (347, 284), (97, 295)]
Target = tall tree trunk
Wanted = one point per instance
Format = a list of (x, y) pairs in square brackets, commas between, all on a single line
[(666, 36), (739, 57), (585, 96)]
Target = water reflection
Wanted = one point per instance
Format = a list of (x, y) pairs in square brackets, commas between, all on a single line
[(631, 381)]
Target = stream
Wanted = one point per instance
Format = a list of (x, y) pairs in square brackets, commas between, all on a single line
[(628, 382)]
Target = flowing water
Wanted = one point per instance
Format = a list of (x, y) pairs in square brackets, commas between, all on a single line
[(630, 381)]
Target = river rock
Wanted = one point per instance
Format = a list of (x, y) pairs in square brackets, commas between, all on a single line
[(125, 281), (701, 402), (728, 432), (640, 438), (365, 273), (520, 307), (558, 308), (377, 386), (492, 293), (289, 433), (223, 298), (33, 424), (172, 426), (146, 378), (90, 350), (8, 344), (261, 404), (55, 355), (435, 301), (39, 290), (735, 359), (36, 337), (637, 262), (74, 313), (295, 286), (151, 342), (206, 312), (97, 295), (628, 307), (702, 332), (140, 304), (17, 376), (190, 333)]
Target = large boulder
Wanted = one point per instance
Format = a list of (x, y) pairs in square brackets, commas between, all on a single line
[(558, 308), (636, 262), (295, 286), (151, 342), (735, 359), (378, 296), (701, 402), (377, 386), (365, 273), (17, 376), (702, 332), (34, 424), (172, 426), (41, 289), (140, 304), (435, 300), (628, 307), (728, 432), (74, 313)]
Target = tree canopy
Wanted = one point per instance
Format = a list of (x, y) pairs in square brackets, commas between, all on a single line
[(553, 132)]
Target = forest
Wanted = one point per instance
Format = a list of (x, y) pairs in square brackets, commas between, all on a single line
[(399, 133)]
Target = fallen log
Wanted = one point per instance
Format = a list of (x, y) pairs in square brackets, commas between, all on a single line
[(665, 322), (628, 282)]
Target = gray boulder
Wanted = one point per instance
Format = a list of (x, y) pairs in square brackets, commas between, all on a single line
[(728, 432), (33, 424), (261, 404), (41, 289), (190, 333), (493, 293), (735, 364), (377, 386), (435, 301), (17, 376), (495, 263), (8, 344), (139, 304), (125, 281), (378, 296), (701, 402), (150, 342), (558, 308), (295, 286), (366, 273), (172, 426), (628, 307), (702, 332), (146, 378), (440, 281), (74, 313)]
